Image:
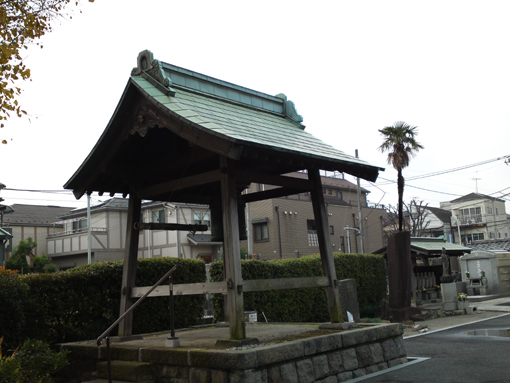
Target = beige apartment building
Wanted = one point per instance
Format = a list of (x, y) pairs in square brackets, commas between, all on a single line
[(285, 227), (478, 217)]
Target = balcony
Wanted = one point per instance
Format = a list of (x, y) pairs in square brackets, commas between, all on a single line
[(82, 230), (468, 220)]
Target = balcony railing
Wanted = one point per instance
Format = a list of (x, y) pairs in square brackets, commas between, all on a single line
[(83, 230), (469, 220)]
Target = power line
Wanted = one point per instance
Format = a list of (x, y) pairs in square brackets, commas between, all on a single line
[(416, 187), (441, 172)]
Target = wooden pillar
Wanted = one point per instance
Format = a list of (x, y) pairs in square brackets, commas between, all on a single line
[(129, 269), (326, 250), (400, 269), (232, 253)]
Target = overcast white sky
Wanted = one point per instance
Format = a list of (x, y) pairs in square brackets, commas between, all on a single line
[(351, 68)]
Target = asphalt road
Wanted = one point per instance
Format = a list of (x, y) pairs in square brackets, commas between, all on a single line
[(456, 357)]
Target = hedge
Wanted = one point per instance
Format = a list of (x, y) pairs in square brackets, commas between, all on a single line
[(81, 303), (13, 293), (307, 304)]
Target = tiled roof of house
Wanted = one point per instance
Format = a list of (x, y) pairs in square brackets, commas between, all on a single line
[(202, 239), (118, 204), (110, 204), (476, 196), (502, 244), (34, 215), (444, 215)]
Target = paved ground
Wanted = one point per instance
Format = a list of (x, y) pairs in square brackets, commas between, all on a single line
[(484, 310), (453, 355)]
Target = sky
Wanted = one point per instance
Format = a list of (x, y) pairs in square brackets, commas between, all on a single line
[(350, 67)]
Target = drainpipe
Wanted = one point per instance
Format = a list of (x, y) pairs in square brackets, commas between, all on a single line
[(279, 230), (382, 230), (358, 232), (177, 241)]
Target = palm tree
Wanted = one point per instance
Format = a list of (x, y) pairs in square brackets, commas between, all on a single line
[(401, 145)]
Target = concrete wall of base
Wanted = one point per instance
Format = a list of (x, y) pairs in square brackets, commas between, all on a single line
[(332, 358)]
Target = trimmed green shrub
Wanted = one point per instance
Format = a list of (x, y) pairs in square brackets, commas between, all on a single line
[(13, 297), (35, 362), (307, 304), (81, 303)]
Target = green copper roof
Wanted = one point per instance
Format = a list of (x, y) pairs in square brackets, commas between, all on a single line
[(436, 245), (431, 247), (173, 123), (233, 112)]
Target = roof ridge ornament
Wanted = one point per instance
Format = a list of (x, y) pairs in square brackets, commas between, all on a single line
[(152, 70), (289, 109)]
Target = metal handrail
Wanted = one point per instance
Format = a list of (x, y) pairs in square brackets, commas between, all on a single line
[(142, 298)]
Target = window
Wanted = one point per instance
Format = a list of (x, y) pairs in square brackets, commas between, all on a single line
[(342, 244), (471, 215), (158, 216), (199, 219), (468, 238), (261, 231), (492, 235), (331, 230), (472, 211), (323, 191), (330, 192), (489, 210), (80, 225), (207, 219), (497, 211), (339, 195), (313, 240), (478, 236)]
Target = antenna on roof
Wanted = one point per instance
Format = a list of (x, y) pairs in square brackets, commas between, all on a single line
[(476, 182)]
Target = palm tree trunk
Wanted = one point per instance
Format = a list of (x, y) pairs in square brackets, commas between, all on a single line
[(400, 185)]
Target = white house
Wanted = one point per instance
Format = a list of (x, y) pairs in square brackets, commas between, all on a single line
[(477, 217), (69, 248)]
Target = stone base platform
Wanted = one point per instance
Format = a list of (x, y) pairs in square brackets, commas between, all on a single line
[(286, 353)]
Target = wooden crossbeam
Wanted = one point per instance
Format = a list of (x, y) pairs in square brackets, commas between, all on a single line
[(182, 183), (249, 176), (221, 287)]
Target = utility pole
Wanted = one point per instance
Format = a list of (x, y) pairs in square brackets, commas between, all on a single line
[(360, 215)]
